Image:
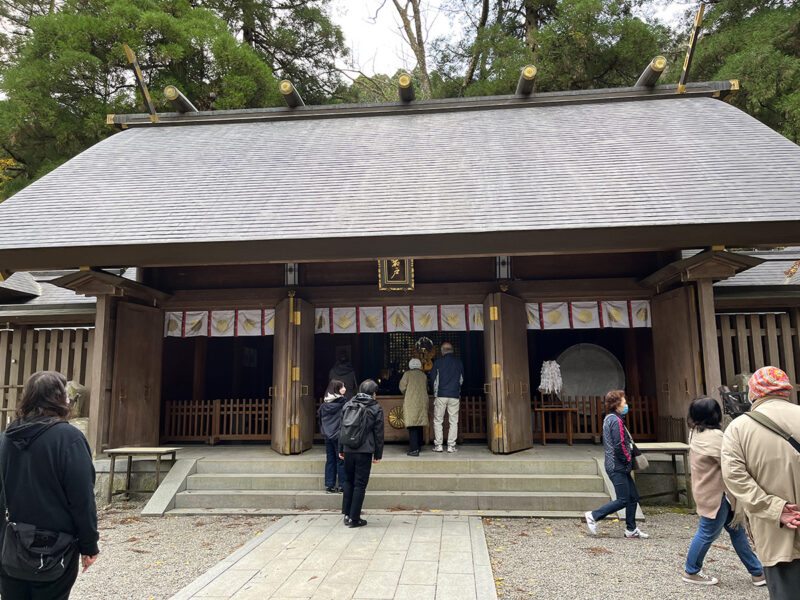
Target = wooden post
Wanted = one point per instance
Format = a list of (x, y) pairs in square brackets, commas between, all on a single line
[(102, 361), (708, 338)]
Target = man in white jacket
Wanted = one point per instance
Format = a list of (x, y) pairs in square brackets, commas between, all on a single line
[(761, 468)]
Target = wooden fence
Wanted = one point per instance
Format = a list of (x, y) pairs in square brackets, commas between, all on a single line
[(240, 419), (587, 420), (25, 350), (249, 419), (748, 342)]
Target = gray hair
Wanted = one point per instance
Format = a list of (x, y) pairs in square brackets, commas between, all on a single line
[(447, 348)]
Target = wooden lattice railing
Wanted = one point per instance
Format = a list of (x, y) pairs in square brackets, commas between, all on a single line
[(210, 421), (247, 419)]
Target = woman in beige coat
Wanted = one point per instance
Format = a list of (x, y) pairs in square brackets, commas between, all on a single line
[(414, 385), (714, 504)]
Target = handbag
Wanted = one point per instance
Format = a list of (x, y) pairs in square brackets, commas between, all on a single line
[(34, 554), (640, 462)]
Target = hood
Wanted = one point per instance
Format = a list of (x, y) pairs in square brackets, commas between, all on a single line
[(364, 399), (23, 432), (331, 397), (341, 369)]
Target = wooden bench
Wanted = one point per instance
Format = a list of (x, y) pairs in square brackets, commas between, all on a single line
[(130, 452), (673, 449)]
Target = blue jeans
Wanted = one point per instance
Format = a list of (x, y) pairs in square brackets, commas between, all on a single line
[(627, 497), (709, 530), (333, 464)]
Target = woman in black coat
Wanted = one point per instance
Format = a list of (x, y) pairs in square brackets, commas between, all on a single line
[(330, 421), (48, 477)]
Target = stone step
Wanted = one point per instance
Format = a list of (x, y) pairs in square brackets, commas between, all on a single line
[(270, 512), (430, 463), (437, 500), (478, 482)]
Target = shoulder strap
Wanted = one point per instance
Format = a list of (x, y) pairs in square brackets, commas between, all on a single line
[(772, 426)]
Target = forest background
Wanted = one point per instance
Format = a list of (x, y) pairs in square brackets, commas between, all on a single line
[(63, 67)]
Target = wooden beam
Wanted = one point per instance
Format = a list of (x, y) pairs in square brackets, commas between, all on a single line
[(102, 366), (716, 89), (599, 240), (708, 338), (619, 288)]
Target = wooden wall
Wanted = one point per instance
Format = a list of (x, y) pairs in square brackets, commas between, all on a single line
[(25, 350), (748, 342)]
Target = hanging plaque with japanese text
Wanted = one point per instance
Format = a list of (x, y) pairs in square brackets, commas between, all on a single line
[(396, 274)]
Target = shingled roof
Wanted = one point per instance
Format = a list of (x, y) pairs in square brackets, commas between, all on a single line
[(661, 172)]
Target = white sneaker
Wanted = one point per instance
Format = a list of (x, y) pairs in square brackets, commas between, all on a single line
[(452, 449), (437, 448), (636, 533), (591, 523), (699, 578)]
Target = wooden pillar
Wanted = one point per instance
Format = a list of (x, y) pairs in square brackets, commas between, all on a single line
[(102, 364), (707, 323)]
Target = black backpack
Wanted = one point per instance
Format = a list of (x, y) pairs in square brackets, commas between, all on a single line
[(355, 422)]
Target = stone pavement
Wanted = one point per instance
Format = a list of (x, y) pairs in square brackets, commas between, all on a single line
[(424, 557)]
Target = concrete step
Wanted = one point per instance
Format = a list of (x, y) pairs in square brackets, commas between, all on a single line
[(430, 463), (478, 482), (437, 500)]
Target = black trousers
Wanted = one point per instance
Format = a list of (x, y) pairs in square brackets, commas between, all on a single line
[(357, 466), (783, 580), (415, 437), (17, 589)]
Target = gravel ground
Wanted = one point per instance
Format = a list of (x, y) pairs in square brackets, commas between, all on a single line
[(559, 558), (151, 558)]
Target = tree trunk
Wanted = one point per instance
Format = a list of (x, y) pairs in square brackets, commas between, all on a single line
[(476, 48), (415, 39)]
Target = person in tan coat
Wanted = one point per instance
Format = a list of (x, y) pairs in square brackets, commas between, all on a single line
[(714, 505), (414, 385), (761, 469)]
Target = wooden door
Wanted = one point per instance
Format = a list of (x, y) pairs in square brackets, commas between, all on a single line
[(676, 349), (293, 376), (508, 401), (136, 380)]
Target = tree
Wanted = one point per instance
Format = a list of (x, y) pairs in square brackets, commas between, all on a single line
[(757, 42), (575, 44), (296, 39), (72, 71)]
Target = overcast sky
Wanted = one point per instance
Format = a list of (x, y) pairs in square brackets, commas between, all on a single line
[(377, 46)]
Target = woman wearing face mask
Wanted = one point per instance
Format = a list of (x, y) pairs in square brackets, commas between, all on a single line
[(619, 463)]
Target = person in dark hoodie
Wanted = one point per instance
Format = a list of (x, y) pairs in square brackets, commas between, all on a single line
[(619, 464), (358, 461), (330, 421), (344, 372), (49, 481)]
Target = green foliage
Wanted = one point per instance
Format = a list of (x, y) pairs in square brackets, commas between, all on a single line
[(575, 44), (72, 71), (297, 40), (757, 43)]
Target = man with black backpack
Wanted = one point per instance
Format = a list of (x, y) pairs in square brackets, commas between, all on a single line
[(360, 445)]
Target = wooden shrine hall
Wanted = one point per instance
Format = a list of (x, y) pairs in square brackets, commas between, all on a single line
[(522, 229)]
